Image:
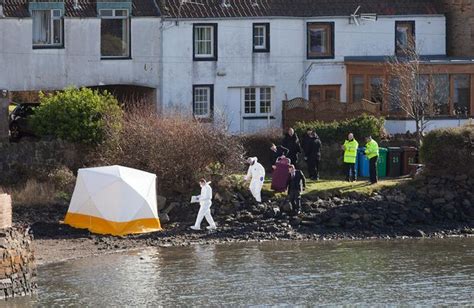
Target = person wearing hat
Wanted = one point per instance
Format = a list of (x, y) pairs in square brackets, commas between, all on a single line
[(205, 202)]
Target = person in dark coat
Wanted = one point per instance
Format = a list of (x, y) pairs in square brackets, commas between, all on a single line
[(278, 151), (305, 143), (296, 184), (314, 156), (292, 143)]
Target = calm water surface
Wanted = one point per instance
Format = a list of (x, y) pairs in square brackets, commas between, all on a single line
[(423, 272)]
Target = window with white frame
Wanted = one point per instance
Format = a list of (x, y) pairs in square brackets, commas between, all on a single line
[(205, 41), (202, 101), (261, 37), (114, 33), (48, 28), (257, 101)]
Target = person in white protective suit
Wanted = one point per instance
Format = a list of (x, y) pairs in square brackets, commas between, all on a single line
[(205, 202), (256, 175)]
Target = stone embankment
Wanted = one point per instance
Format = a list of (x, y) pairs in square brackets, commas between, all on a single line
[(17, 264), (427, 207)]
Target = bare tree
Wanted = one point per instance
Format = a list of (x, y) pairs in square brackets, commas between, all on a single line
[(411, 89)]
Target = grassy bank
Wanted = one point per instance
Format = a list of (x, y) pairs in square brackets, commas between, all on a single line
[(336, 186)]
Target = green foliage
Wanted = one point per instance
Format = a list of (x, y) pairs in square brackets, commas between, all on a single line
[(337, 131), (77, 115), (449, 150)]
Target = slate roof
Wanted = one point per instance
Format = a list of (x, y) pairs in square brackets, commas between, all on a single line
[(295, 8), (85, 8)]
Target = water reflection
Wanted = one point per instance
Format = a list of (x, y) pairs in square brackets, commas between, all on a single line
[(425, 272)]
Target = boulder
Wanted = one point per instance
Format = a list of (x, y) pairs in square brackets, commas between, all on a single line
[(164, 218), (161, 202)]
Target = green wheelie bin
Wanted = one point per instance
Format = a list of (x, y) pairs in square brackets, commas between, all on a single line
[(382, 163)]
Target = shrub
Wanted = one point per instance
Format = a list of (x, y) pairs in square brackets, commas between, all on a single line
[(33, 192), (179, 150), (77, 115), (336, 132), (449, 150)]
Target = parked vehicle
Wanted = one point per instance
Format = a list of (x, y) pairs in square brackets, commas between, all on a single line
[(19, 122)]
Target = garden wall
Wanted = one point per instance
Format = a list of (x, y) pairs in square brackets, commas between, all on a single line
[(17, 263), (20, 160)]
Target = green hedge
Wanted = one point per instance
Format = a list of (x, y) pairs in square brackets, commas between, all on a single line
[(77, 115), (336, 132), (449, 150)]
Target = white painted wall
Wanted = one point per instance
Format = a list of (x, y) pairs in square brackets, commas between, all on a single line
[(403, 126), (79, 63), (283, 67)]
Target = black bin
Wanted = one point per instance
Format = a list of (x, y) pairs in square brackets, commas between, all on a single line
[(394, 162)]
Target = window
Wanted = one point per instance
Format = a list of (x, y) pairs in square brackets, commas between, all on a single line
[(320, 40), (325, 93), (250, 100), (358, 87), (261, 37), (394, 97), (48, 28), (441, 93), (203, 101), (265, 100), (376, 89), (205, 42), (462, 94), (404, 36), (115, 33), (258, 101)]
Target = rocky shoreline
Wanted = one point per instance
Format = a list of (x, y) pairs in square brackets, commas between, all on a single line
[(428, 207)]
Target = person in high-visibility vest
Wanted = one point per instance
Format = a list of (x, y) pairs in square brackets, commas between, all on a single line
[(350, 153), (372, 153)]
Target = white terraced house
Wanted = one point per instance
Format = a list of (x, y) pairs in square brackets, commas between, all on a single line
[(232, 61)]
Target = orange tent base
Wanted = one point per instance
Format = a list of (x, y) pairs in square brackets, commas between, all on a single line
[(103, 226)]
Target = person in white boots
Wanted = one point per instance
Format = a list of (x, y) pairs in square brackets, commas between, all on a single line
[(256, 176), (205, 201)]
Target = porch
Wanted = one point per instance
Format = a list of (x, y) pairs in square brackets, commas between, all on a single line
[(451, 92)]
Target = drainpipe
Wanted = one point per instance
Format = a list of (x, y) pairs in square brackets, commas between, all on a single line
[(4, 102), (160, 106)]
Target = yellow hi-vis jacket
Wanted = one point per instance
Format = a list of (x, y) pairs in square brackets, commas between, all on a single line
[(350, 151), (371, 149)]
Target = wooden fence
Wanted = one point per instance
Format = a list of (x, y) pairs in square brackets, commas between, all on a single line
[(300, 109)]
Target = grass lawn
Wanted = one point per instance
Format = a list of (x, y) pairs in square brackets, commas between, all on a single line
[(336, 186)]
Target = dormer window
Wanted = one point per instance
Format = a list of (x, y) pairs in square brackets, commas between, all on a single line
[(48, 24), (205, 42), (261, 37), (404, 37), (114, 34)]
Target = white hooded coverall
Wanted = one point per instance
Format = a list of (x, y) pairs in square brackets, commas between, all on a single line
[(256, 175), (205, 207)]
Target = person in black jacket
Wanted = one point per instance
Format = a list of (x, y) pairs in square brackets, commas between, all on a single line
[(278, 151), (292, 143), (306, 142), (296, 184), (314, 156)]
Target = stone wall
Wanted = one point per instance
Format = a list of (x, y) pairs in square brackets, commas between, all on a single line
[(17, 263), (460, 27), (18, 160)]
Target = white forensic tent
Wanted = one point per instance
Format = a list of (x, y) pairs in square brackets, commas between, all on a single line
[(114, 200)]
